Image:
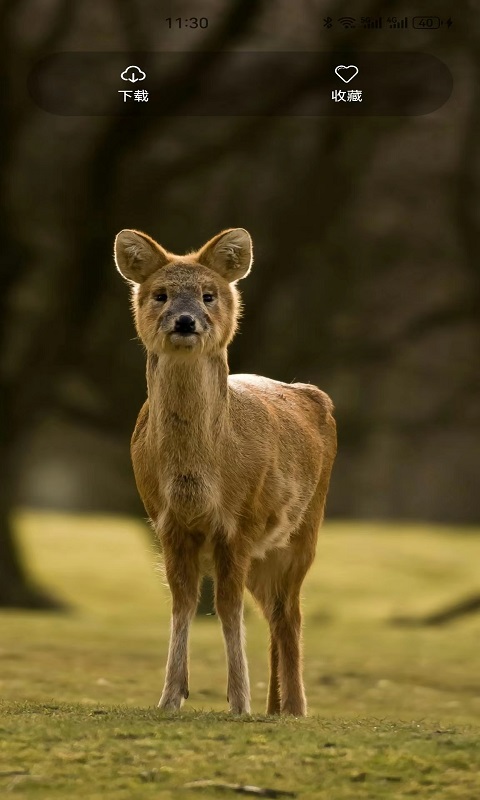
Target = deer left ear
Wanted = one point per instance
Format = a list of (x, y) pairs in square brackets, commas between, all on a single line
[(230, 254)]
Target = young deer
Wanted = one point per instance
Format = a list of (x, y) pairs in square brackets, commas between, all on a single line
[(233, 470)]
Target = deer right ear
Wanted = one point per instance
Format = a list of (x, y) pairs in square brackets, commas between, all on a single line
[(137, 255)]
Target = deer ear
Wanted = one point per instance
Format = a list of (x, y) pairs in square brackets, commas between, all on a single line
[(137, 255), (230, 254)]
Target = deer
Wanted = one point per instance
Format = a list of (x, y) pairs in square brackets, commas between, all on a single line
[(233, 470)]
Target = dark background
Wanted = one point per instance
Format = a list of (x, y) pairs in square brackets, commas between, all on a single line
[(366, 278)]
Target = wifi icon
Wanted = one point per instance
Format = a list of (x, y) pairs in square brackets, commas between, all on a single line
[(347, 22)]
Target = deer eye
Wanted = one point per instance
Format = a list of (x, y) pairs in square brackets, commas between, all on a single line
[(160, 297), (208, 298)]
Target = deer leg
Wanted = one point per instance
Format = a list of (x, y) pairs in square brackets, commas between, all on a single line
[(273, 697), (286, 616), (262, 588), (183, 575), (230, 569), (286, 622)]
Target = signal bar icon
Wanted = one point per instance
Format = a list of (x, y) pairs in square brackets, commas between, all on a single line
[(394, 22), (371, 22)]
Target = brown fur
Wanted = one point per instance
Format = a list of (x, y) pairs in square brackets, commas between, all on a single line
[(233, 470)]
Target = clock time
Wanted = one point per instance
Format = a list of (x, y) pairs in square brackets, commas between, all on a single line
[(188, 22)]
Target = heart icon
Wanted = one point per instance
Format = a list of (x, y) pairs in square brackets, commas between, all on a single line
[(346, 74)]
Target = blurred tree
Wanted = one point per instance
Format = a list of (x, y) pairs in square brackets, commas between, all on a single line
[(16, 379), (28, 380)]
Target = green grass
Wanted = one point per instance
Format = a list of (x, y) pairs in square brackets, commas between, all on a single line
[(394, 712)]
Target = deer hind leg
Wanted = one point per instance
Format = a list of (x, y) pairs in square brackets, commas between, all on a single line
[(286, 620), (183, 575), (285, 687), (262, 589), (287, 627), (273, 697), (275, 583), (268, 582), (230, 574)]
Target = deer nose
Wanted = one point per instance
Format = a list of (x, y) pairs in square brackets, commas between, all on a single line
[(185, 323)]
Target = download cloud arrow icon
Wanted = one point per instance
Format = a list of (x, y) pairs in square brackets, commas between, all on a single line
[(133, 74)]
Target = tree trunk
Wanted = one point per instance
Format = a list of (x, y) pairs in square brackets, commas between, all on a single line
[(16, 587)]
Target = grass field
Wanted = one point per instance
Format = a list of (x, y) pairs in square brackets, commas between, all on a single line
[(394, 712)]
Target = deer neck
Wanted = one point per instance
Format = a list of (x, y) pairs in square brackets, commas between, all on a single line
[(188, 410)]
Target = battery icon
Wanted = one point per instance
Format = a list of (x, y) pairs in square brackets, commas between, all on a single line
[(426, 23)]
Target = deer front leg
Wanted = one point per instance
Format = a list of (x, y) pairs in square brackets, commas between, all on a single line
[(183, 575), (230, 574)]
